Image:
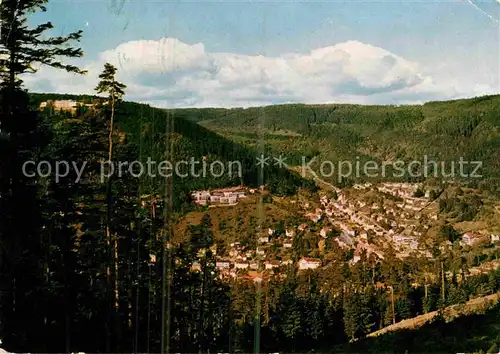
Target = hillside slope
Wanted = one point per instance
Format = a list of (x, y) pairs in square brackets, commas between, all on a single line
[(161, 135), (468, 328)]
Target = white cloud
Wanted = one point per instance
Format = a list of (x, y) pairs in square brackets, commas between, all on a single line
[(170, 73)]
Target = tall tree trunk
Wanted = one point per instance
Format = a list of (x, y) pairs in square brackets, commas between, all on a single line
[(230, 324), (442, 283), (392, 305), (201, 334), (256, 347), (108, 230), (110, 155)]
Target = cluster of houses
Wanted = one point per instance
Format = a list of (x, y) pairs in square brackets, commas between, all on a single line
[(404, 190), (240, 259), (399, 223), (230, 196), (365, 227)]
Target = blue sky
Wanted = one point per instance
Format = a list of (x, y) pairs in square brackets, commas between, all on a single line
[(441, 49)]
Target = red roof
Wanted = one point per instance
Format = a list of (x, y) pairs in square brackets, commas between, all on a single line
[(230, 189)]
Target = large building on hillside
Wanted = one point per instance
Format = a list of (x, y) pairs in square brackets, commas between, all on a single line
[(64, 105)]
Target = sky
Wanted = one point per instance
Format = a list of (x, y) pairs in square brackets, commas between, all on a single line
[(250, 53)]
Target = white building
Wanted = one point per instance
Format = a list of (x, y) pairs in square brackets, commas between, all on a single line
[(309, 263), (470, 238), (222, 264), (264, 239), (272, 264), (241, 265)]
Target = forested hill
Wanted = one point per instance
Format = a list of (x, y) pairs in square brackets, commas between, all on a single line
[(144, 130), (444, 131)]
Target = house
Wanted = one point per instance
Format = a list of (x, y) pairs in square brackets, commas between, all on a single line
[(233, 253), (287, 245), (261, 251), (254, 265), (403, 240), (495, 238), (346, 239), (470, 238), (350, 232), (361, 204), (272, 264), (196, 267), (342, 244), (314, 217), (309, 263), (328, 212), (241, 265), (264, 239), (222, 264), (302, 227), (201, 197), (270, 232), (290, 233), (355, 259), (325, 231), (152, 259)]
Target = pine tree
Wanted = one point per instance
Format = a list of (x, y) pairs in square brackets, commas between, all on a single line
[(115, 89), (22, 49)]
